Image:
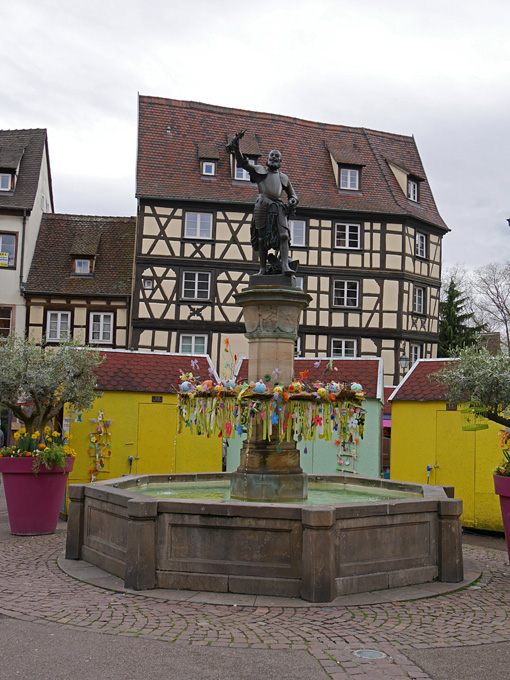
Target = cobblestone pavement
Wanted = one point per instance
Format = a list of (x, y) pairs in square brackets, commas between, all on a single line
[(34, 588)]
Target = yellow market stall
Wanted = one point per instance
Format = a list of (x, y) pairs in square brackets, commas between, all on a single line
[(429, 445)]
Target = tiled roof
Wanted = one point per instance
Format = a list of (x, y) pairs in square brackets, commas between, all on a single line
[(26, 146), (418, 385), (388, 391), (51, 265), (366, 370), (170, 131), (124, 371)]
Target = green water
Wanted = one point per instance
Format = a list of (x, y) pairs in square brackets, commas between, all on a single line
[(318, 494)]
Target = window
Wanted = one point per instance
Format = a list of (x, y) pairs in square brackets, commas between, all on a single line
[(412, 190), (7, 250), (58, 326), (421, 245), (148, 284), (297, 232), (82, 267), (198, 225), (347, 235), (208, 168), (5, 181), (5, 321), (196, 286), (101, 327), (415, 351), (193, 344), (349, 179), (345, 293), (343, 348), (419, 300), (242, 174), (300, 282)]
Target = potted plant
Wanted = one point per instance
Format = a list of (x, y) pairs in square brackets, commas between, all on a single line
[(502, 485), (35, 471), (35, 383)]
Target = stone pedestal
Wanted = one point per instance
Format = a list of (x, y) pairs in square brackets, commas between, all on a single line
[(270, 470)]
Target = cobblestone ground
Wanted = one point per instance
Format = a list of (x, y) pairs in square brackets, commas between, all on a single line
[(32, 587)]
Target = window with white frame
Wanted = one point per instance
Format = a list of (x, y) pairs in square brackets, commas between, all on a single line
[(198, 225), (7, 250), (345, 293), (421, 245), (415, 352), (297, 232), (5, 181), (196, 285), (193, 344), (343, 348), (82, 266), (240, 173), (5, 321), (208, 168), (347, 235), (419, 300), (349, 178), (101, 327), (58, 326), (148, 284), (412, 190)]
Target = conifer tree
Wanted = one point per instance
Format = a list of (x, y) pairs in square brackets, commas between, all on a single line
[(457, 327)]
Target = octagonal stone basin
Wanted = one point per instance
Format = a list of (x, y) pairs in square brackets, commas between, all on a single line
[(316, 552)]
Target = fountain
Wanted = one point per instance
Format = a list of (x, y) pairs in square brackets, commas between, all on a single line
[(266, 539)]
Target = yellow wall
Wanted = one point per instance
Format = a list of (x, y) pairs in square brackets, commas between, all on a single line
[(142, 429), (425, 433)]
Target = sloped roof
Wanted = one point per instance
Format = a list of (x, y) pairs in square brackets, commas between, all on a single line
[(388, 391), (170, 131), (418, 385), (364, 370), (125, 371), (26, 148), (111, 237)]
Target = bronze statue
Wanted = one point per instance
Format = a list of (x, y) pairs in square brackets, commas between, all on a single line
[(269, 227)]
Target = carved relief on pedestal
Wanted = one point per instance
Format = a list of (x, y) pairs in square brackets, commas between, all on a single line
[(271, 319)]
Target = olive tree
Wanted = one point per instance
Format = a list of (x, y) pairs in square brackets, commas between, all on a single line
[(481, 377), (36, 381)]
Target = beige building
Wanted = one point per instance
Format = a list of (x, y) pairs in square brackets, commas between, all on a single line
[(367, 234), (80, 281)]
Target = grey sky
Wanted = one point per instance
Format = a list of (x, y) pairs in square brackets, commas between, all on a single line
[(438, 70)]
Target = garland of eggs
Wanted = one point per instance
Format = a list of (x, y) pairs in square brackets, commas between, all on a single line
[(330, 411)]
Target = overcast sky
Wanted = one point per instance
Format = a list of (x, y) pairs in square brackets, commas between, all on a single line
[(438, 70)]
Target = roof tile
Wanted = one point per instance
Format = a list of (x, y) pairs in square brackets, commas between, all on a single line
[(51, 265), (168, 167)]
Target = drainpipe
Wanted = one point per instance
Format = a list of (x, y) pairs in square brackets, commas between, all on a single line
[(23, 234)]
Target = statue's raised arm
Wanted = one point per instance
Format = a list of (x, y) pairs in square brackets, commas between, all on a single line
[(233, 147)]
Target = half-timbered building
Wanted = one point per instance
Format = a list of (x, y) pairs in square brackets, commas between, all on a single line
[(367, 234), (79, 283)]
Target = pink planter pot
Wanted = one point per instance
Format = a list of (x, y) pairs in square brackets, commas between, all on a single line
[(33, 501), (502, 488)]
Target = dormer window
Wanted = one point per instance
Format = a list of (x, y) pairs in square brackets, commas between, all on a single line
[(82, 266), (240, 173), (6, 181), (412, 190), (208, 168), (349, 178), (408, 179)]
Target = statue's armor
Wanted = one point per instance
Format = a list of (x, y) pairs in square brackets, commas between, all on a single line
[(269, 214)]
